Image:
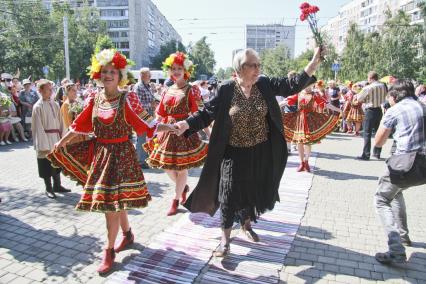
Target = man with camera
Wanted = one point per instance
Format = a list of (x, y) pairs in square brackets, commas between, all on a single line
[(405, 116)]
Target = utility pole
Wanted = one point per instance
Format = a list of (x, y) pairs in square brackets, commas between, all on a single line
[(67, 56)]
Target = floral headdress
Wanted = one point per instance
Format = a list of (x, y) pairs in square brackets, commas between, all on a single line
[(114, 57), (181, 59)]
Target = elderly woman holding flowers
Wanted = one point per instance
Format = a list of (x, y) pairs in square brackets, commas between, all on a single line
[(247, 150), (170, 152), (107, 165)]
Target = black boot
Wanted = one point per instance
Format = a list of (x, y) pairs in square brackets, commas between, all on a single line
[(57, 187), (49, 189)]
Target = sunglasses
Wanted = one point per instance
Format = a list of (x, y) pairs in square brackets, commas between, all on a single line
[(6, 80)]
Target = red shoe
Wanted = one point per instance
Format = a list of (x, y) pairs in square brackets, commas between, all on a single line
[(173, 209), (185, 191), (128, 239), (301, 167), (307, 167), (107, 261)]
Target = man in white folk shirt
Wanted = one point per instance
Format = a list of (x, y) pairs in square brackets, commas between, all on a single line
[(47, 129)]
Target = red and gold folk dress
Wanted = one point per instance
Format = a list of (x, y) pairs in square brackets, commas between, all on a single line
[(307, 126), (167, 150), (107, 166)]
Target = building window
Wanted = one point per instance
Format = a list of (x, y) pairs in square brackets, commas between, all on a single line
[(126, 53), (151, 43), (151, 35), (114, 34), (114, 13), (112, 3), (116, 44), (124, 44), (125, 34), (118, 24)]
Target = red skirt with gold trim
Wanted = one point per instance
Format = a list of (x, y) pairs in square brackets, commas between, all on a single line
[(172, 152), (111, 175), (308, 127)]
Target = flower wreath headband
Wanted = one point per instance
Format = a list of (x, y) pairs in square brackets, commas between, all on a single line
[(114, 57), (181, 59)]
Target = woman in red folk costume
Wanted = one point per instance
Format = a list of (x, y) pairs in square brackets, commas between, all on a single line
[(107, 166), (320, 90), (307, 126), (176, 154), (355, 114)]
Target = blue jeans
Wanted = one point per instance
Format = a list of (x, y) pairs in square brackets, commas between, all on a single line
[(142, 155), (390, 206)]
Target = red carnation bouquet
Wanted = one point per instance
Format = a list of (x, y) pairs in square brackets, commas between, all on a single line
[(309, 13)]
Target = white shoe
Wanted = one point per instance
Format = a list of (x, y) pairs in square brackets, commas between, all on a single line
[(16, 139), (25, 139), (8, 143), (2, 143)]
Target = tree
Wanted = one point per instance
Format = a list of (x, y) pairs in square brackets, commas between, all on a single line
[(399, 56), (276, 61), (354, 56), (26, 38), (203, 58), (84, 28), (300, 62), (165, 50), (224, 74), (103, 42)]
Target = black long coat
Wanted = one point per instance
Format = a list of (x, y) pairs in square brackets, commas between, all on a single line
[(204, 198)]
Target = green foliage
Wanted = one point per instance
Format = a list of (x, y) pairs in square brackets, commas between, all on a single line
[(275, 61), (33, 38), (203, 58), (394, 51), (224, 74), (165, 51), (103, 42)]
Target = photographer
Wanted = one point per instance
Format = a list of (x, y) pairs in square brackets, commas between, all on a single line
[(405, 116)]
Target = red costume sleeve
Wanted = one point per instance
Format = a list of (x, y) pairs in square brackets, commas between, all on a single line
[(319, 100), (193, 97), (160, 108), (137, 117), (292, 100)]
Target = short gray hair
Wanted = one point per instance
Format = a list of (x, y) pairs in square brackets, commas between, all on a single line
[(144, 70), (241, 57)]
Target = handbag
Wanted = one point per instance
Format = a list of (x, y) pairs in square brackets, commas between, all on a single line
[(409, 169)]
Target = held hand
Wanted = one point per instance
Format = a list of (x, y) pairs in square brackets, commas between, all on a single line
[(165, 127), (319, 55), (58, 145), (181, 127)]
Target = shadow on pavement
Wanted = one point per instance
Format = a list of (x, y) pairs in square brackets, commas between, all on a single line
[(322, 259), (16, 146), (56, 254), (334, 175)]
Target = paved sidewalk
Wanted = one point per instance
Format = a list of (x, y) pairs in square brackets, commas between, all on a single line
[(340, 232), (47, 241)]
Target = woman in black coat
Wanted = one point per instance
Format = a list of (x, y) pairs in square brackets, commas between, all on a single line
[(247, 150)]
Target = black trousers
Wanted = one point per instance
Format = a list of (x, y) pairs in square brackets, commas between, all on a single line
[(373, 116), (45, 169)]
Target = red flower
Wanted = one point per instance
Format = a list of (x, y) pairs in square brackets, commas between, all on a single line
[(304, 5), (96, 75), (119, 61), (303, 17), (313, 9), (179, 59)]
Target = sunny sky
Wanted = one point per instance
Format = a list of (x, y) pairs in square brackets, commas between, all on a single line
[(223, 21)]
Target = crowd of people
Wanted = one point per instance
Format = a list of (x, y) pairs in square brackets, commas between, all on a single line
[(241, 130)]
